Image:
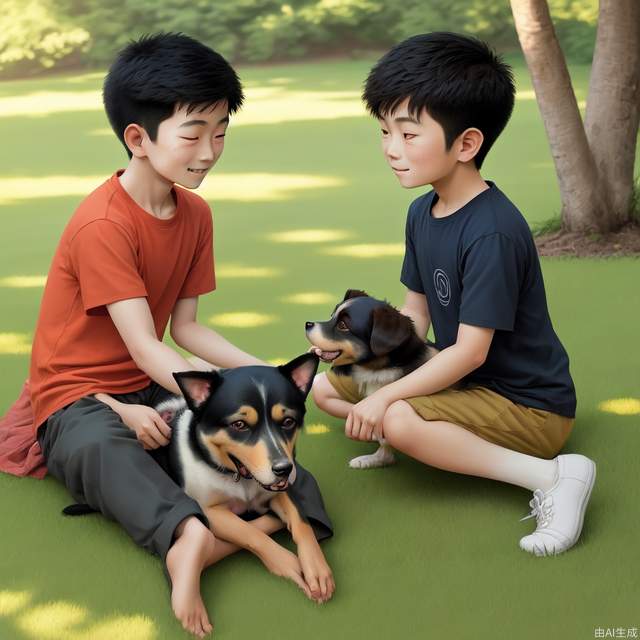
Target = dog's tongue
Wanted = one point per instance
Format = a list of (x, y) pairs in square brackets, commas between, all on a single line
[(328, 356), (242, 470)]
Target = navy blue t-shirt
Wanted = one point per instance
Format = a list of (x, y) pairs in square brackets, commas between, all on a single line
[(479, 266)]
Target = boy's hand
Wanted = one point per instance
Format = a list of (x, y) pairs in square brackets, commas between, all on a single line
[(364, 421), (152, 431)]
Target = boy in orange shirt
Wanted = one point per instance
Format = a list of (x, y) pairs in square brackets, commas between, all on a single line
[(137, 252)]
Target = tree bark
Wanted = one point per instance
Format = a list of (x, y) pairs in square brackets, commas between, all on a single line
[(584, 195), (613, 103)]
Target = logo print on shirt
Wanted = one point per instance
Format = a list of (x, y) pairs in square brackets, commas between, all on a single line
[(441, 283)]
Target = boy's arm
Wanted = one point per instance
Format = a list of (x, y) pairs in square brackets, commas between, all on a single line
[(446, 367), (416, 307), (202, 341), (134, 323), (441, 371)]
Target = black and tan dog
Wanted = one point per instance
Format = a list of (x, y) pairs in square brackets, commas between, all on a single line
[(373, 343), (233, 446)]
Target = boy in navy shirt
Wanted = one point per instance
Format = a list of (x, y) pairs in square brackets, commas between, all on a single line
[(470, 268)]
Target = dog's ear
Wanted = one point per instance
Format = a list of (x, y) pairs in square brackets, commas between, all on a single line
[(197, 387), (354, 293), (301, 371), (390, 329)]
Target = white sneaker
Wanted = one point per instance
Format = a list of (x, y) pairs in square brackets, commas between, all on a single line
[(560, 511)]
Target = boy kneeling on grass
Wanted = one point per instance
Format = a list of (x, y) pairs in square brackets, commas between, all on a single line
[(138, 251), (471, 268)]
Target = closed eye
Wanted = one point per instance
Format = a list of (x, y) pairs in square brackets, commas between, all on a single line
[(188, 138)]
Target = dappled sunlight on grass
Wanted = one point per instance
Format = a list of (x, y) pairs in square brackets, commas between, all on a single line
[(15, 343), (249, 187), (277, 104), (29, 188), (309, 298), (316, 429), (391, 249), (242, 319), (240, 271), (23, 282), (241, 187), (621, 406), (270, 105), (264, 105), (530, 94), (42, 103), (62, 620), (12, 601), (52, 620), (309, 235), (277, 81)]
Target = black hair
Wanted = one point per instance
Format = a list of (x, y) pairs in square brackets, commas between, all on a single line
[(157, 74), (459, 80)]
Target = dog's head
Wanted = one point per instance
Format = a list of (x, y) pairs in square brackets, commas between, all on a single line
[(247, 419), (361, 330)]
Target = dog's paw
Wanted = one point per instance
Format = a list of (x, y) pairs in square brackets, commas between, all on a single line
[(383, 457)]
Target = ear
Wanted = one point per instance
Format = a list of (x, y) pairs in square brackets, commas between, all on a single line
[(354, 293), (133, 137), (197, 387), (469, 143), (301, 371), (390, 329)]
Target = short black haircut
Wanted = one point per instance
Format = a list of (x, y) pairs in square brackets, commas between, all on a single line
[(157, 74), (459, 80)]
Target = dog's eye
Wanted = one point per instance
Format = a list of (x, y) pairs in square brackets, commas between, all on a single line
[(289, 423), (342, 326), (239, 425)]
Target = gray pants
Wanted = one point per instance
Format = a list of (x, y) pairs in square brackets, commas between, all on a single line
[(99, 459)]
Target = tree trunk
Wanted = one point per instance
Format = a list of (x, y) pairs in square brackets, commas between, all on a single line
[(587, 204), (613, 104)]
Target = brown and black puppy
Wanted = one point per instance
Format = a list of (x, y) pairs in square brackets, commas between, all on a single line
[(233, 449), (373, 343)]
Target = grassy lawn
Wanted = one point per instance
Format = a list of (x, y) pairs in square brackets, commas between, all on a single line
[(418, 553)]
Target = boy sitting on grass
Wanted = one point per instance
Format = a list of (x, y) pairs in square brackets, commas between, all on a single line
[(471, 268), (137, 252)]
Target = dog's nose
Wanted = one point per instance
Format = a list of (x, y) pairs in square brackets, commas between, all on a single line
[(282, 468), (308, 325)]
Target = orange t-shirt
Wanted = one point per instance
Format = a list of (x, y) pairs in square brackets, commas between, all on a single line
[(112, 250)]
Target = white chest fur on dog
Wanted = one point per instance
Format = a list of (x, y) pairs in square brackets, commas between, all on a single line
[(370, 381), (205, 484)]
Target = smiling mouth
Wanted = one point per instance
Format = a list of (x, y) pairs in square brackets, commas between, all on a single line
[(280, 485), (242, 469), (198, 171), (329, 356), (399, 170)]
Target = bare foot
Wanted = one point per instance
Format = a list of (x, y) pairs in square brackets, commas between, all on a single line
[(185, 561)]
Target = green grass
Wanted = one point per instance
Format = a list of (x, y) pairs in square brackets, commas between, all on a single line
[(418, 553)]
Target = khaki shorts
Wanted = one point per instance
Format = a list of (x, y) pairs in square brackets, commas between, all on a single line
[(486, 413)]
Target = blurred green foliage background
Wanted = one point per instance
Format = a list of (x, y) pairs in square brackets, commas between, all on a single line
[(37, 36)]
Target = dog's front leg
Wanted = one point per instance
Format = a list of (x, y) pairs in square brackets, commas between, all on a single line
[(280, 561), (317, 572)]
